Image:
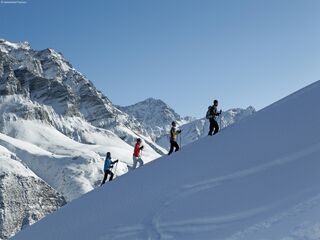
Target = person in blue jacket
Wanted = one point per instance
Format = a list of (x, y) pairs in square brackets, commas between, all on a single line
[(108, 164)]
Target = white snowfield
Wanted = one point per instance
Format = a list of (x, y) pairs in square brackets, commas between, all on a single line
[(10, 164), (258, 179), (70, 167)]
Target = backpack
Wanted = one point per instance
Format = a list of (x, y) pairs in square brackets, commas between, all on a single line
[(208, 114)]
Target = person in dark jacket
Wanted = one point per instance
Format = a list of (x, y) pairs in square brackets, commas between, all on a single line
[(211, 115), (173, 138), (108, 164), (137, 154)]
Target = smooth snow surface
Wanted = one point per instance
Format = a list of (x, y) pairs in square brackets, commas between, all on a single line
[(11, 165), (256, 180), (72, 168)]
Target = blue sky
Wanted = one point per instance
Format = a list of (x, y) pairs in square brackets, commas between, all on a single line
[(185, 52)]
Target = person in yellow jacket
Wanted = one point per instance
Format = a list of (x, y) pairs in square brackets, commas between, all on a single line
[(173, 138)]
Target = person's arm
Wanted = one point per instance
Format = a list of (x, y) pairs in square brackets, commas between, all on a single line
[(115, 161), (216, 113), (141, 148)]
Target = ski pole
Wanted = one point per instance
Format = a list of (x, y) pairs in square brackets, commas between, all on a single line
[(180, 139), (220, 119), (115, 168)]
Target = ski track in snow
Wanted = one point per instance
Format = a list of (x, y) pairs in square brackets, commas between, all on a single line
[(154, 229), (197, 225), (305, 231), (301, 207), (254, 170), (132, 232)]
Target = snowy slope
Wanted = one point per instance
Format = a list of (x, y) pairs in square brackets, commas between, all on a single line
[(72, 168), (24, 198), (258, 179)]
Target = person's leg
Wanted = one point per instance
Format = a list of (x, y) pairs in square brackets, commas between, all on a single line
[(105, 177), (111, 175), (171, 147), (140, 162), (216, 127), (176, 145), (134, 159), (211, 127)]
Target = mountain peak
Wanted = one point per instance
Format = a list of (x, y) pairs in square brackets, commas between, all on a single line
[(154, 100), (7, 46), (149, 101), (155, 115)]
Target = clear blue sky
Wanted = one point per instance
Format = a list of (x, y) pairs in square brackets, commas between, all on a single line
[(185, 52)]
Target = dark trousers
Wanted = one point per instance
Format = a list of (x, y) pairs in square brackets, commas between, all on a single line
[(213, 126), (173, 144), (106, 173)]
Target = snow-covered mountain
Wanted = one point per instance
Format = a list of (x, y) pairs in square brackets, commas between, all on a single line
[(155, 115), (199, 128), (42, 85), (24, 197), (60, 126), (257, 179), (46, 103)]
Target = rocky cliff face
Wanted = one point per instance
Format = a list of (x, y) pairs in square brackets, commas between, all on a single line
[(24, 198), (58, 92)]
